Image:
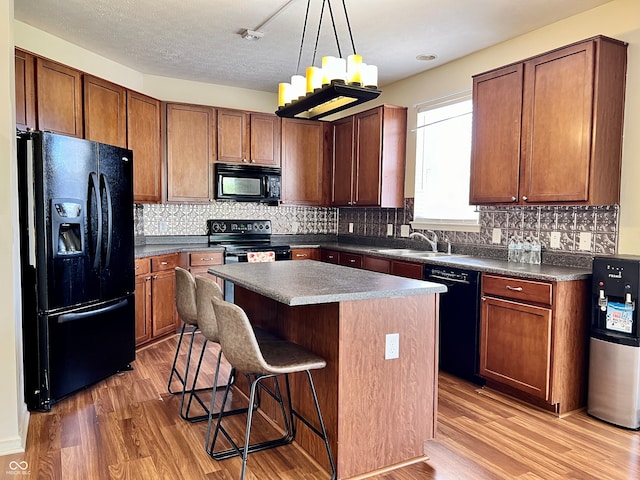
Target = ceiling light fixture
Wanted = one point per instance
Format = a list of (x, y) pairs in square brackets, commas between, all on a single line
[(335, 86), (251, 34)]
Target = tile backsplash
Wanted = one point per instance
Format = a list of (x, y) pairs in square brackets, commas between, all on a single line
[(523, 221), (191, 219)]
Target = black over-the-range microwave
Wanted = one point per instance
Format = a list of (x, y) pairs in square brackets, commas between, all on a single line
[(247, 183)]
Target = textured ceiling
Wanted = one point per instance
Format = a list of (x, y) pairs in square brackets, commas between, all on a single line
[(199, 39)]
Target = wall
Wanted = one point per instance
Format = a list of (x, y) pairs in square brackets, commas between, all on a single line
[(13, 414)]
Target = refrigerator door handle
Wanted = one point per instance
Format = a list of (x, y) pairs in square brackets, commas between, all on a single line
[(107, 191), (70, 317), (96, 189)]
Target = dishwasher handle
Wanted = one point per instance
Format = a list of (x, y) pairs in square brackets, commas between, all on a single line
[(447, 279)]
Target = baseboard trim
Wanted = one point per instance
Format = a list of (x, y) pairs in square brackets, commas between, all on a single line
[(17, 444)]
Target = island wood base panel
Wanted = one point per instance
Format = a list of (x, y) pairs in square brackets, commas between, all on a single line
[(378, 412)]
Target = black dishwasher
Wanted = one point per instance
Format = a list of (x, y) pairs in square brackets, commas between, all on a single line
[(459, 343)]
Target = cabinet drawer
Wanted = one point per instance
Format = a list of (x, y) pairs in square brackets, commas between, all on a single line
[(351, 260), (164, 262), (517, 289), (205, 258), (408, 269), (329, 256), (142, 266), (376, 264), (301, 254)]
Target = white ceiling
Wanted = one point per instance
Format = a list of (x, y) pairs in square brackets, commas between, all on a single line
[(199, 39)]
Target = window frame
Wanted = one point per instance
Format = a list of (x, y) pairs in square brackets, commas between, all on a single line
[(462, 225)]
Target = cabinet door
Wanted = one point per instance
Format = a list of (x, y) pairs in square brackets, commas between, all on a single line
[(303, 165), (264, 132), (163, 292), (556, 123), (59, 98), (143, 308), (143, 137), (515, 345), (495, 152), (343, 162), (233, 132), (25, 90), (190, 153), (368, 155), (105, 111)]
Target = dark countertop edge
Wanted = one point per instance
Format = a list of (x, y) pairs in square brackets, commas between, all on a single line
[(486, 265)]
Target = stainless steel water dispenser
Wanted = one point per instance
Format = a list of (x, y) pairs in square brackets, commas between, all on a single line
[(614, 357)]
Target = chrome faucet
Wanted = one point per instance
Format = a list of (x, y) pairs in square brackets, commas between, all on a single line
[(433, 243)]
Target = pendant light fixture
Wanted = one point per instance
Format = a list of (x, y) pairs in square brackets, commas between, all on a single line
[(336, 85)]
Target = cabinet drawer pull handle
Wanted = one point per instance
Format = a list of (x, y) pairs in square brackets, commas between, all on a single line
[(352, 260), (515, 289), (301, 255), (206, 259), (164, 263)]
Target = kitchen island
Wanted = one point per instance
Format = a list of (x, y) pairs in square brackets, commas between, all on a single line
[(378, 412)]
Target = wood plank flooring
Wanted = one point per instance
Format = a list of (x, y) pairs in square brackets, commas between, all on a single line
[(127, 427)]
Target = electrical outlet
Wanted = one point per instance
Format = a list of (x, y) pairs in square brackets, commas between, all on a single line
[(162, 227), (554, 241), (496, 236), (404, 230), (389, 229), (392, 346), (585, 241), (350, 227)]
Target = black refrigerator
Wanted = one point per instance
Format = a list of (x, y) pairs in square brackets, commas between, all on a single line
[(77, 263)]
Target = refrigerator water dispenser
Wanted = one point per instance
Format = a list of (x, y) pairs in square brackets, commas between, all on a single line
[(68, 226)]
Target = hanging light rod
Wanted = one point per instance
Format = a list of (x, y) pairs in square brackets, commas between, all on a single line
[(339, 84)]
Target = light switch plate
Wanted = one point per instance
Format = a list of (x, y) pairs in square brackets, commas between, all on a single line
[(389, 229), (554, 241), (585, 241), (496, 236), (404, 230), (162, 227), (350, 227)]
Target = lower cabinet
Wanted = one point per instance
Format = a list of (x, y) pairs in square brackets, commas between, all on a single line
[(156, 314), (534, 338), (200, 262), (375, 264)]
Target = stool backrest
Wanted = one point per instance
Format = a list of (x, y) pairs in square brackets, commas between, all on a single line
[(237, 339), (207, 289), (186, 296)]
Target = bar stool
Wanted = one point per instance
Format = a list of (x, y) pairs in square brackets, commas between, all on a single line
[(261, 359), (186, 303)]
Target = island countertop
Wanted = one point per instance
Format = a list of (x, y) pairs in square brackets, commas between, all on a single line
[(308, 282)]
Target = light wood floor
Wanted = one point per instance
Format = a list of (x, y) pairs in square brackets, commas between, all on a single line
[(127, 427)]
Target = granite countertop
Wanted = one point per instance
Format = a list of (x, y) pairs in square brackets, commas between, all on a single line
[(544, 272), (306, 282)]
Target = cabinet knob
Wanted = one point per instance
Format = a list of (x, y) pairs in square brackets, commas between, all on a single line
[(514, 199), (244, 160), (155, 277), (253, 160), (524, 198), (146, 279)]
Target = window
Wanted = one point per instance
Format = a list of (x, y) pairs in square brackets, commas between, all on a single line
[(443, 154)]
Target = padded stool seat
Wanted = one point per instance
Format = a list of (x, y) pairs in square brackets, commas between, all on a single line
[(261, 358)]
